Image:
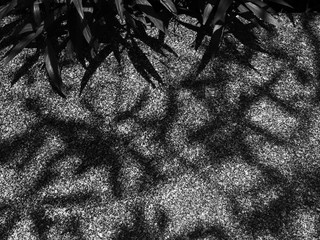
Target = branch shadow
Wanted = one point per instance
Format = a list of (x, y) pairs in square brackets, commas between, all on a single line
[(97, 149), (233, 142), (96, 153)]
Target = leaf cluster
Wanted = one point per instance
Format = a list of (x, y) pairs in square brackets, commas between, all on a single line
[(89, 30)]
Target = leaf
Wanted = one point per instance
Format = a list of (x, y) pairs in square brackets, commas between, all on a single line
[(206, 13), (130, 20), (221, 11), (154, 43), (22, 28), (79, 7), (27, 28), (246, 14), (242, 9), (262, 14), (168, 4), (87, 33), (282, 2), (141, 19), (120, 8), (189, 26), (52, 67), (100, 57), (14, 51), (142, 64), (245, 35), (28, 63), (259, 3), (212, 48), (148, 10), (37, 13), (79, 43), (4, 10), (84, 25)]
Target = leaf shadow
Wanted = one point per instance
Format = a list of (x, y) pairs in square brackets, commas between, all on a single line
[(99, 152), (94, 65), (25, 68), (156, 44), (142, 64)]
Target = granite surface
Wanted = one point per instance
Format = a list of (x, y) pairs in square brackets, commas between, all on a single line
[(232, 153)]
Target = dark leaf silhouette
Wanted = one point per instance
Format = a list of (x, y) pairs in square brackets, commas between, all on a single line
[(78, 43), (79, 7), (282, 2), (262, 14), (120, 8), (150, 13), (169, 5), (221, 12), (244, 34), (4, 10), (81, 27), (142, 64), (26, 66), (36, 13), (15, 50), (154, 43), (94, 64), (212, 49), (52, 67), (206, 13)]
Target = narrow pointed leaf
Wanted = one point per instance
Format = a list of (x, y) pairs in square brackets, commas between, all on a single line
[(148, 10), (282, 2), (168, 4), (87, 33), (213, 47), (141, 20), (130, 20), (206, 13), (101, 56), (259, 3), (52, 67), (120, 8), (75, 28), (262, 14), (37, 13), (79, 7), (142, 64), (189, 26), (245, 35), (29, 63), (158, 23), (242, 9), (221, 11), (83, 23), (4, 10), (14, 51), (27, 28), (216, 37)]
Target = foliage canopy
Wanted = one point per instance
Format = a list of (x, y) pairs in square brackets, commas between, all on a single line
[(91, 29)]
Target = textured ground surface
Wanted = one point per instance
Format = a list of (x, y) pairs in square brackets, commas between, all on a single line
[(231, 154)]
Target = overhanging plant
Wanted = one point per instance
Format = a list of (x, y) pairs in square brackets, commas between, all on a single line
[(93, 29)]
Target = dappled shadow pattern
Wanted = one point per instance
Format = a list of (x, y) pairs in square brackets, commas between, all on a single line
[(223, 158)]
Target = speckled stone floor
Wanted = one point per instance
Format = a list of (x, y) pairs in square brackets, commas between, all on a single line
[(231, 154)]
